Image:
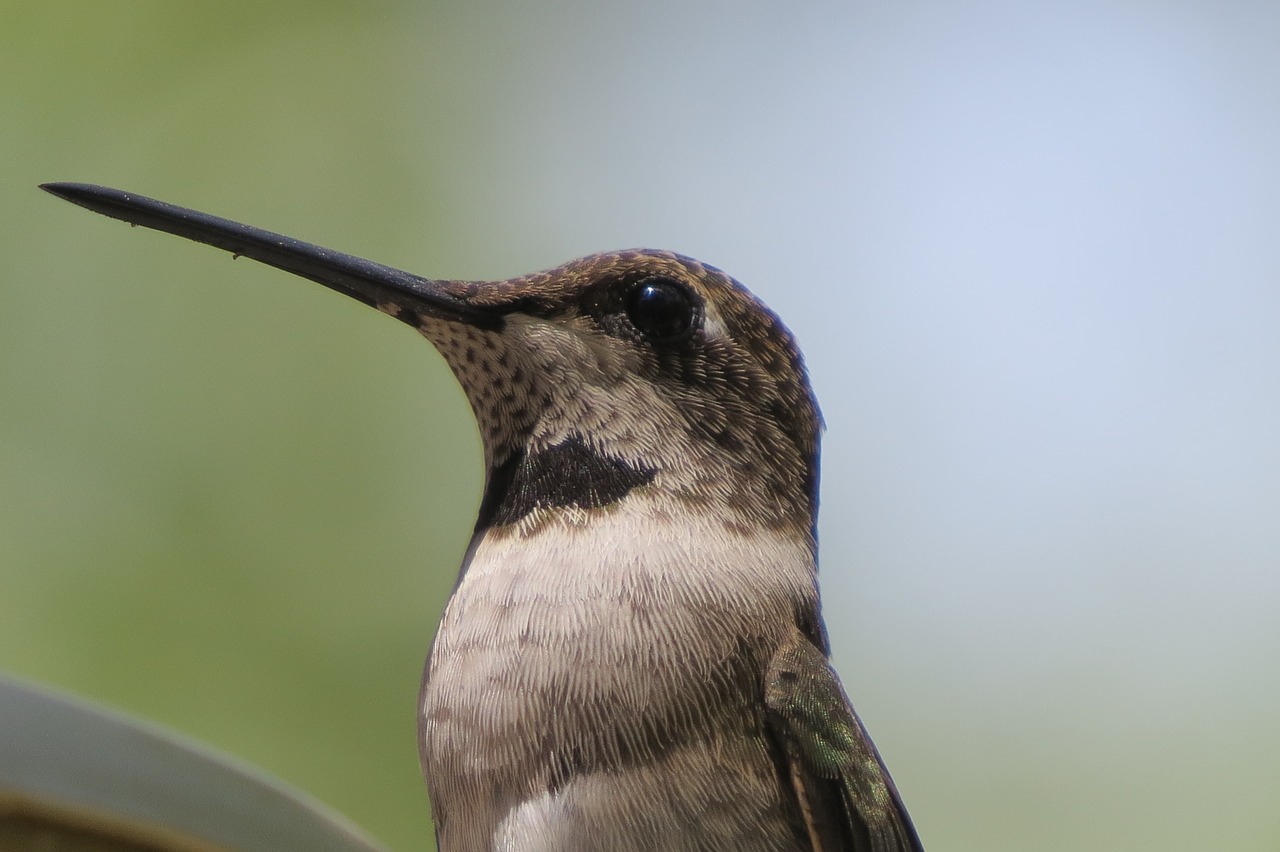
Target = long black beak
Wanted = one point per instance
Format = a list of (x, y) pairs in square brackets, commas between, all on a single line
[(400, 293)]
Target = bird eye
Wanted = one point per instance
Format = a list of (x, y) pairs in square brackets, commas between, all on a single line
[(661, 309)]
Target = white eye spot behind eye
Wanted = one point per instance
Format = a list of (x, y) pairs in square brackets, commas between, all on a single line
[(712, 327)]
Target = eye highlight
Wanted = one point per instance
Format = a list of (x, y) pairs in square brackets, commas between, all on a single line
[(661, 309)]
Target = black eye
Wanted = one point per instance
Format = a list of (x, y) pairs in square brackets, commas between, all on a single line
[(661, 309)]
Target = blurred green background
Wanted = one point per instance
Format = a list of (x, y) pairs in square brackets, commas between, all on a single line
[(1030, 250)]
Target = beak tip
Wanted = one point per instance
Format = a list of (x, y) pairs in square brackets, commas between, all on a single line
[(61, 188), (88, 195)]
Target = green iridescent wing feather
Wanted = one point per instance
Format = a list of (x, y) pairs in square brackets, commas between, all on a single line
[(845, 795)]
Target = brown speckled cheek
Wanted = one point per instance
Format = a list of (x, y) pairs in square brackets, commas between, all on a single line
[(503, 395)]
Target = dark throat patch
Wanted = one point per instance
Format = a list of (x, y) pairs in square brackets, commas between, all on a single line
[(567, 474)]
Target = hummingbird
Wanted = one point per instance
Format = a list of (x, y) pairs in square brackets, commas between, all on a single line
[(634, 656)]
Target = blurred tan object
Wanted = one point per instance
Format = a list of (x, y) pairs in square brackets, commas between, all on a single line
[(74, 776)]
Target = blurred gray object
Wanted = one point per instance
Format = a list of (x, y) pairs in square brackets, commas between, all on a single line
[(77, 776)]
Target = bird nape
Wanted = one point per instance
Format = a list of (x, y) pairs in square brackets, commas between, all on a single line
[(633, 657)]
